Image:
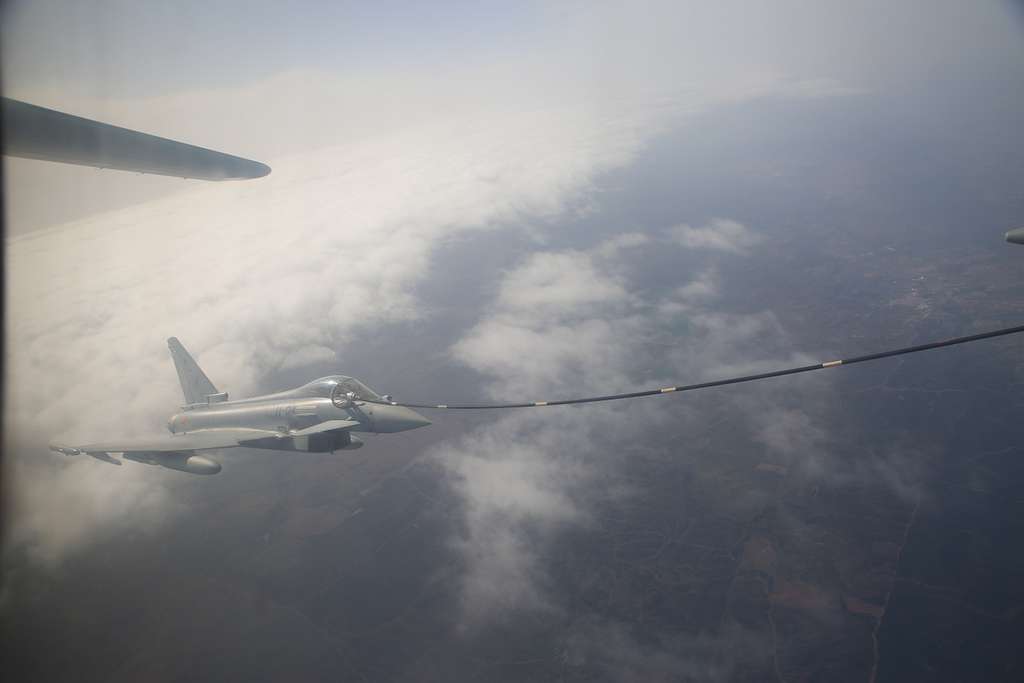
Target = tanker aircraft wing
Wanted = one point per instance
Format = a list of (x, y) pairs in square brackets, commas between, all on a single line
[(34, 132)]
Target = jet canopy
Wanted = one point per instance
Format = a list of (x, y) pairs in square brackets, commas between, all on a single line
[(337, 385)]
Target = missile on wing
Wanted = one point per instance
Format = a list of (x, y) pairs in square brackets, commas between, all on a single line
[(1015, 236), (71, 451)]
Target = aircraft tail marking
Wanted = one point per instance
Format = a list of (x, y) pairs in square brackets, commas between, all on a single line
[(194, 383)]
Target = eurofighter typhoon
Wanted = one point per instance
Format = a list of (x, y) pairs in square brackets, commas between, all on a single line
[(318, 417)]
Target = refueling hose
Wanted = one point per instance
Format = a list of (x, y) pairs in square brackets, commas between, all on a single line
[(718, 382)]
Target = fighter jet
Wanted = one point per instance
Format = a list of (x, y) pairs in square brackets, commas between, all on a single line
[(317, 417)]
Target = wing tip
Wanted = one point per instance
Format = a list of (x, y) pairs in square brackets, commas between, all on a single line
[(258, 170)]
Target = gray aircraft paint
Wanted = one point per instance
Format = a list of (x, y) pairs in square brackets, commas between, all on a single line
[(34, 132), (317, 417)]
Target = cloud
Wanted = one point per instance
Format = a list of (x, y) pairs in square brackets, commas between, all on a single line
[(551, 326), (719, 234), (693, 295), (569, 323), (63, 505), (533, 483), (549, 283), (795, 432), (620, 655), (515, 498), (561, 322)]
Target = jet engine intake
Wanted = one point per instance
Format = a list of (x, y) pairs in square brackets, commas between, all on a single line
[(332, 441)]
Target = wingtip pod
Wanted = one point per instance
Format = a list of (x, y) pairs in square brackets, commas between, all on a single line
[(1015, 236), (258, 170), (64, 450)]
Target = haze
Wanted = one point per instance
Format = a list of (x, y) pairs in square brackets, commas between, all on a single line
[(473, 202)]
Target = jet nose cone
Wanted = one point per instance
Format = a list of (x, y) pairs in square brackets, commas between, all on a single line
[(398, 419), (410, 419)]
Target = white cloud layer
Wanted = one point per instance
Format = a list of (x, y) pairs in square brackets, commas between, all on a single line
[(719, 234)]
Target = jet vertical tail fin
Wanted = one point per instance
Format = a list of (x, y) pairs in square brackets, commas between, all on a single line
[(196, 386)]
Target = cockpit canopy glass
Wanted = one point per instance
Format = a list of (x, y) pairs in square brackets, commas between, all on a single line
[(325, 388)]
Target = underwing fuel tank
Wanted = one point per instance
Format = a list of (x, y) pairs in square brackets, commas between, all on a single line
[(1015, 236), (183, 462)]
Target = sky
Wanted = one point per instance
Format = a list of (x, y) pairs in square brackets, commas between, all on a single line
[(475, 202)]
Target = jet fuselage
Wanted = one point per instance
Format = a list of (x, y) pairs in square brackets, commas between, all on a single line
[(288, 414)]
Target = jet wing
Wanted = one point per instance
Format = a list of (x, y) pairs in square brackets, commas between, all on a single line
[(35, 132), (201, 439), (105, 457)]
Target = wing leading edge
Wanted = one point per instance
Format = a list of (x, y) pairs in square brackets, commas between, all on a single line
[(195, 385), (199, 440), (172, 451), (189, 442), (34, 132)]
